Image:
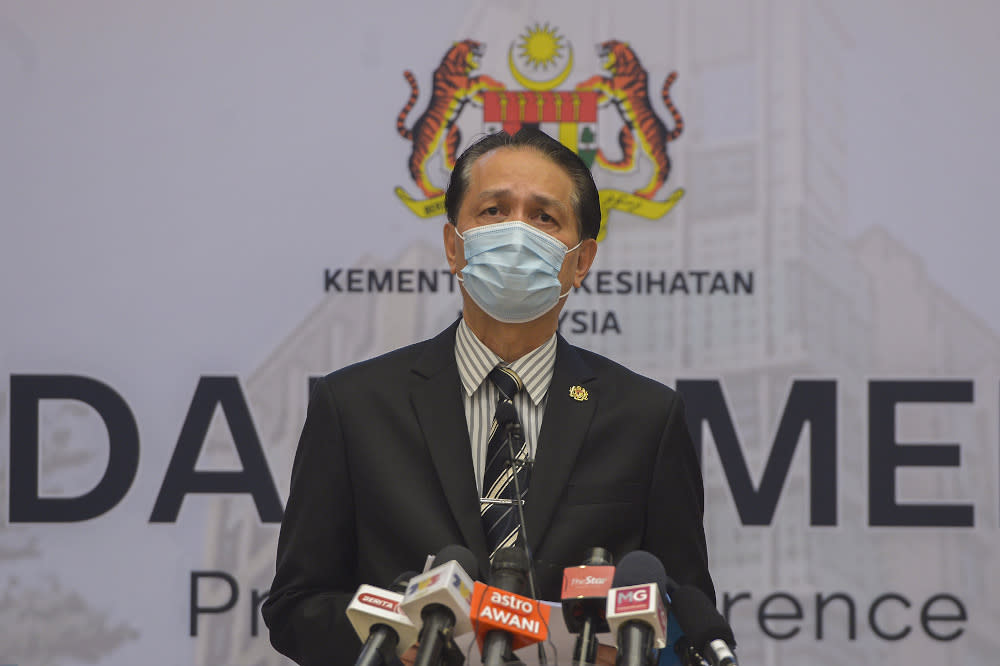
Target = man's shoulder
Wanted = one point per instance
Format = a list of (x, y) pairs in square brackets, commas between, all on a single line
[(397, 358), (398, 362)]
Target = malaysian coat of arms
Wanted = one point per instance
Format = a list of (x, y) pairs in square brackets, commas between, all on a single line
[(541, 60)]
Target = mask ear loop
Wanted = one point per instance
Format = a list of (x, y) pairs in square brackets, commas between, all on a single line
[(562, 296), (458, 272)]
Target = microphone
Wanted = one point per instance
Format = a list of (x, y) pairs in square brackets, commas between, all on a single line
[(704, 626), (505, 620), (439, 599), (584, 602), (375, 615), (636, 611), (506, 417)]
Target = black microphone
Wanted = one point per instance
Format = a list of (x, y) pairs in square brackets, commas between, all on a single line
[(440, 599), (506, 417), (636, 612), (375, 613), (704, 626), (509, 572), (585, 600), (508, 421)]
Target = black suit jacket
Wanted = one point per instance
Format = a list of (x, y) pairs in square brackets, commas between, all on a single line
[(383, 477)]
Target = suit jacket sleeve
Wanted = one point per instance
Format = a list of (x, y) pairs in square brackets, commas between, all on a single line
[(316, 560), (677, 491)]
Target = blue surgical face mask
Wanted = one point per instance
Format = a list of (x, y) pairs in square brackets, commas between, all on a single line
[(512, 270)]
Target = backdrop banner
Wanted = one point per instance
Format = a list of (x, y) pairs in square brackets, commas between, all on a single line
[(206, 207)]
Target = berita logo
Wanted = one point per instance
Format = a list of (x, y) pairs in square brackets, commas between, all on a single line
[(381, 602), (540, 60)]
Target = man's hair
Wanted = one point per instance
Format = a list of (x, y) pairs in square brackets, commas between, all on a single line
[(584, 198)]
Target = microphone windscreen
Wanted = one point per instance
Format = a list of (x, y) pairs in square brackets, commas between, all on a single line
[(509, 570), (463, 556), (399, 584), (638, 568), (699, 619), (511, 558), (598, 557)]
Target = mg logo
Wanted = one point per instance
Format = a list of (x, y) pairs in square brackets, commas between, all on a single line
[(633, 596), (632, 599)]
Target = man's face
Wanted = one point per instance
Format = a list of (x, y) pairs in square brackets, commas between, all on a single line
[(509, 184)]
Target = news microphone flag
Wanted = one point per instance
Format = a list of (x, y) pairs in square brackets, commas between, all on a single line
[(641, 603), (495, 609), (585, 589), (447, 585), (373, 606)]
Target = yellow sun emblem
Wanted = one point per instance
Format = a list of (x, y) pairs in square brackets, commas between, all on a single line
[(578, 393), (539, 48)]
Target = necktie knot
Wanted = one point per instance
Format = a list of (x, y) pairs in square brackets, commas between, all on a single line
[(507, 381)]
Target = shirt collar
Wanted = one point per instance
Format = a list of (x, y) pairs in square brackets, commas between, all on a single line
[(475, 360)]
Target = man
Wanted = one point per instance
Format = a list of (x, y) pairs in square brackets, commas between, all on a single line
[(392, 458)]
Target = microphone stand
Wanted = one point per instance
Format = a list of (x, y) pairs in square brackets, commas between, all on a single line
[(452, 655), (512, 432), (586, 645)]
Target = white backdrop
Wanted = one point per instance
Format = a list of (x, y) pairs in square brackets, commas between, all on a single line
[(185, 188)]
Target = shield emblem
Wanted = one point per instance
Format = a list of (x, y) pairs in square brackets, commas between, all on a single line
[(567, 115)]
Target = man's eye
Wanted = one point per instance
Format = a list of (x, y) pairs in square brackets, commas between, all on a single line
[(492, 210), (545, 217)]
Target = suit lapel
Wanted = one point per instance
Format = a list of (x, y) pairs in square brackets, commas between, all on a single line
[(564, 427), (437, 401)]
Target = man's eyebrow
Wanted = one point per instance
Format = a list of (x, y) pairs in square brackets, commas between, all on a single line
[(539, 199)]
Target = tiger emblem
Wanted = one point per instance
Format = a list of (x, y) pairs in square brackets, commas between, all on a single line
[(454, 87), (627, 90)]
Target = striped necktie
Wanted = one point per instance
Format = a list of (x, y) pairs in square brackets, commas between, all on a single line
[(500, 515)]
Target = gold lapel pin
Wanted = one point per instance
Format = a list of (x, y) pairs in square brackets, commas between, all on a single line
[(578, 393)]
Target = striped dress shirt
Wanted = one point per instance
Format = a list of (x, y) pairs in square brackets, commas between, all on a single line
[(475, 360)]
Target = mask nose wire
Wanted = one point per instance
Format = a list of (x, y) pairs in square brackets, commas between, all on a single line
[(459, 234), (460, 278)]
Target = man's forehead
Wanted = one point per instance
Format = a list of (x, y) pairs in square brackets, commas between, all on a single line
[(486, 159), (486, 164), (489, 155)]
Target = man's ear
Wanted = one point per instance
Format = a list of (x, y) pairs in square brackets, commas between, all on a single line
[(451, 246), (585, 259)]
